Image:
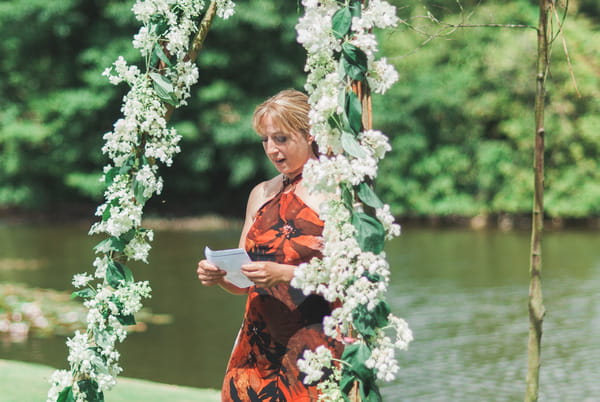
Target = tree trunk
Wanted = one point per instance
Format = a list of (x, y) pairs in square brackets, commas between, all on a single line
[(535, 306)]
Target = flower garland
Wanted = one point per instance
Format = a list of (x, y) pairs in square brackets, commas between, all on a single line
[(341, 47), (138, 142)]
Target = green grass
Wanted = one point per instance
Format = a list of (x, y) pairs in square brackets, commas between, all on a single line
[(26, 382)]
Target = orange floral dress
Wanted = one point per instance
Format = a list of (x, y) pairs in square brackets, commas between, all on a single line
[(280, 322)]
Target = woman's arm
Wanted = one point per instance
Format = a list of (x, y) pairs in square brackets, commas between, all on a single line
[(263, 273), (211, 275), (267, 273)]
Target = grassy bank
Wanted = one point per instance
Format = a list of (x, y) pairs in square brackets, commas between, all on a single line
[(26, 382)]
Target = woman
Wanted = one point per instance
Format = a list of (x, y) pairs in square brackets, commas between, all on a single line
[(281, 231)]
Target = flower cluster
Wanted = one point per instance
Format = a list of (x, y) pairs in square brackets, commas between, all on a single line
[(138, 142), (341, 51)]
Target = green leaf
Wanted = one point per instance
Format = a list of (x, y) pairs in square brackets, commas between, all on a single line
[(368, 196), (113, 243), (126, 167), (129, 235), (347, 381), (354, 55), (351, 146), (110, 175), (162, 81), (372, 393), (356, 355), (66, 395), (355, 8), (160, 53), (163, 88), (354, 111), (158, 24), (84, 293), (126, 319), (106, 213), (345, 123), (373, 277), (138, 192), (341, 22), (347, 197), (117, 244), (90, 389), (353, 71), (102, 244), (354, 62), (365, 321), (370, 233), (116, 273)]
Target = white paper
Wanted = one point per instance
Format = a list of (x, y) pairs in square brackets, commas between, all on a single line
[(231, 260)]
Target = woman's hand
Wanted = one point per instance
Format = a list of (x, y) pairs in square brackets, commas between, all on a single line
[(209, 274), (267, 274)]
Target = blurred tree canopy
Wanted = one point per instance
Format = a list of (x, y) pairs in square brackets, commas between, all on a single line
[(460, 120)]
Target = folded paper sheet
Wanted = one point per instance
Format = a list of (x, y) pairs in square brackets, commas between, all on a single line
[(231, 260)]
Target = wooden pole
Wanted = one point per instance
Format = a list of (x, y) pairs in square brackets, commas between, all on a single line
[(535, 305)]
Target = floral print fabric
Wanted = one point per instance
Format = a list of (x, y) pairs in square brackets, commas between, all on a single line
[(280, 322)]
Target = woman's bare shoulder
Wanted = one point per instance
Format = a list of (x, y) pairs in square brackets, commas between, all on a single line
[(263, 192), (312, 199)]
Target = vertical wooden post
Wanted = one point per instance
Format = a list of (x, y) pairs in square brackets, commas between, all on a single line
[(535, 305)]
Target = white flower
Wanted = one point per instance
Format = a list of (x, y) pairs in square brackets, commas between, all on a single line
[(95, 319), (375, 142), (81, 353), (384, 215), (313, 363), (365, 41), (382, 76), (383, 360), (138, 249), (381, 14), (225, 8), (130, 296), (144, 40), (80, 280), (60, 379), (403, 333), (101, 264)]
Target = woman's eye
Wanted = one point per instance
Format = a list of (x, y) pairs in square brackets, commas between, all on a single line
[(264, 140), (281, 139)]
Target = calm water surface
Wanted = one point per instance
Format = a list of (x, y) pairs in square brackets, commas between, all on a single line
[(463, 293)]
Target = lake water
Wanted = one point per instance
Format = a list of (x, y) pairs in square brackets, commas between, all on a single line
[(463, 293)]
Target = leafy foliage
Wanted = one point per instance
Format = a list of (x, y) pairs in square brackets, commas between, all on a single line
[(460, 119), (463, 118)]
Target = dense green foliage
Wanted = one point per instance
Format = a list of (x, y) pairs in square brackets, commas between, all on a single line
[(460, 119), (463, 123)]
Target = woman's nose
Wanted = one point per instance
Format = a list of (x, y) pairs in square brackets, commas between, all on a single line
[(270, 147)]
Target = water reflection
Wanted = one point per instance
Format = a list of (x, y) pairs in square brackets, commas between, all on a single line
[(463, 293)]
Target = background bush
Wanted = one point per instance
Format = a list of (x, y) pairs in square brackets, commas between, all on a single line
[(460, 120)]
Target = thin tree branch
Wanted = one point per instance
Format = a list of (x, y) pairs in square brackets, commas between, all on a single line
[(488, 25), (564, 43)]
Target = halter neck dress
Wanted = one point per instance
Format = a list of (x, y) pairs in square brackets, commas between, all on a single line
[(280, 322)]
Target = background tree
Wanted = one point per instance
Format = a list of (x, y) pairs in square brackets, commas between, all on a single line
[(457, 119)]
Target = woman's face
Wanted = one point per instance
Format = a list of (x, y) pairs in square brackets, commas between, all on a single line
[(287, 151)]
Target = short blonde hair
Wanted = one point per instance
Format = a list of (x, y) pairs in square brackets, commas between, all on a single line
[(289, 109)]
